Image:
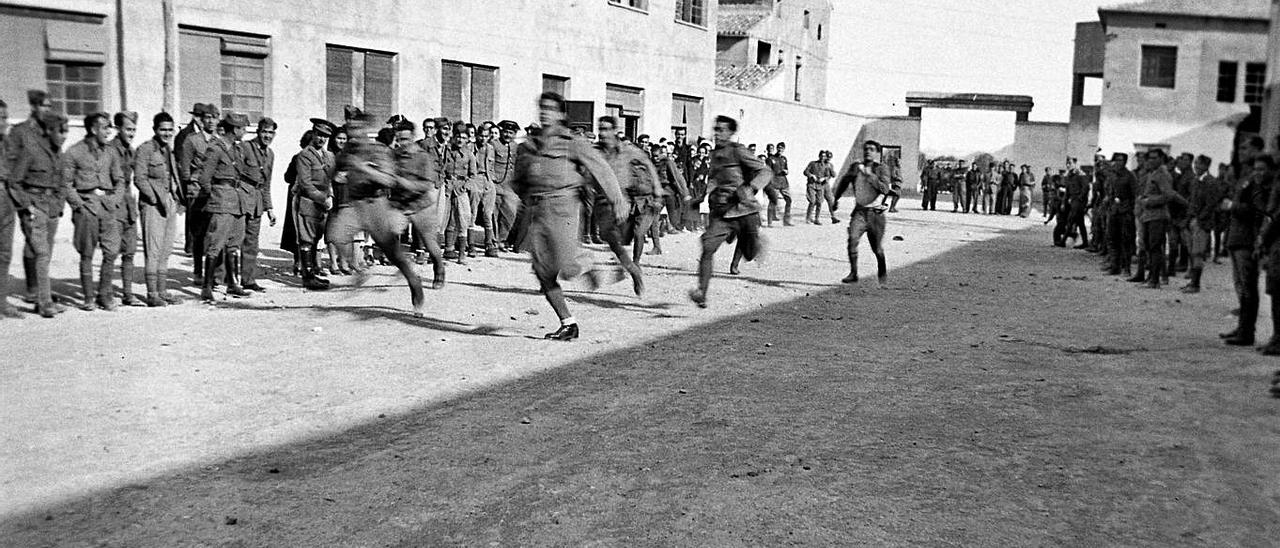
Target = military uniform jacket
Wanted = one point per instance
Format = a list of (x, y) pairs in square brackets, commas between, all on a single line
[(869, 183), (417, 179), (122, 154), (735, 178), (156, 177), (932, 178), (190, 158), (92, 175), (671, 178), (547, 166), (313, 174), (35, 172), (502, 165), (1206, 193), (778, 164), (1248, 210), (1183, 184), (637, 176), (220, 177), (255, 175), (1157, 193), (459, 168), (373, 155), (1124, 191), (818, 173)]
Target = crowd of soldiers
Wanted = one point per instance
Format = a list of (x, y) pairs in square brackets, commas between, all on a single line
[(991, 190), (1176, 215), (469, 187)]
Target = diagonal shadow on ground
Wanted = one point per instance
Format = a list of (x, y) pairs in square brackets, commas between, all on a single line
[(846, 417)]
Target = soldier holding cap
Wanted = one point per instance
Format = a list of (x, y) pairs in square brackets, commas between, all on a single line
[(228, 205), (35, 184), (256, 180), (160, 197), (190, 152), (121, 148), (93, 181), (313, 168)]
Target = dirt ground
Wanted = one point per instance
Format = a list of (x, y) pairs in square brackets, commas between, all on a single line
[(999, 392)]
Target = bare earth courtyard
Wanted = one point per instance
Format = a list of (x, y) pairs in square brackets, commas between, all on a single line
[(999, 392)]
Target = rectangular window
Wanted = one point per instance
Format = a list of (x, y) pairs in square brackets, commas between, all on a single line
[(642, 5), (764, 51), (1228, 77), (1159, 66), (360, 78), (75, 90), (797, 84), (555, 84), (1255, 82), (468, 92), (686, 112), (692, 11), (625, 102), (226, 69)]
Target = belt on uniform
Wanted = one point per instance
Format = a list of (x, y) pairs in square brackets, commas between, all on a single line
[(39, 189), (96, 192), (536, 198), (224, 181)]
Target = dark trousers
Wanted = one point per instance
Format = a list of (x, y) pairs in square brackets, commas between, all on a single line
[(719, 229), (39, 229), (958, 202), (249, 250), (8, 220), (870, 222), (1245, 269), (930, 200), (226, 233), (197, 229), (776, 194), (1153, 235), (1121, 236), (675, 208), (1076, 222)]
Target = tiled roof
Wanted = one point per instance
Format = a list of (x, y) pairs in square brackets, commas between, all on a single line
[(746, 78), (1236, 9), (738, 20)]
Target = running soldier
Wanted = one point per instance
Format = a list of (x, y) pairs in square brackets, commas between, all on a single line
[(870, 180), (637, 178), (416, 193)]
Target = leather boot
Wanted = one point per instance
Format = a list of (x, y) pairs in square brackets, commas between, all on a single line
[(437, 281), (1141, 276), (126, 284), (786, 215), (1194, 285), (310, 281), (233, 265), (86, 286), (464, 249), (313, 262), (210, 265), (198, 269), (153, 291), (162, 285)]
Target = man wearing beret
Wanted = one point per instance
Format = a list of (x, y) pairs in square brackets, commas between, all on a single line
[(160, 197), (121, 149), (35, 184), (312, 200), (190, 155), (228, 205), (256, 180), (93, 182)]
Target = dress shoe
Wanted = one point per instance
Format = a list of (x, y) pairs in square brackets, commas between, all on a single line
[(132, 301), (491, 252), (87, 306), (699, 297), (1137, 279), (1190, 288), (107, 304), (1230, 334), (850, 279), (1271, 349), (565, 333), (835, 221), (46, 311), (253, 286), (451, 254), (1241, 339), (154, 301), (170, 298)]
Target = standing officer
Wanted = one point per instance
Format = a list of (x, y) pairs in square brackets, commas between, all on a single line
[(160, 198), (484, 194), (256, 182), (1154, 199), (190, 155), (1248, 209), (958, 183), (121, 149), (230, 202), (818, 175), (736, 176), (29, 134), (550, 168), (459, 167), (973, 188), (93, 181), (1077, 184), (312, 200), (932, 180), (39, 196), (503, 171), (685, 155), (1121, 228), (1206, 195), (1184, 180), (870, 180)]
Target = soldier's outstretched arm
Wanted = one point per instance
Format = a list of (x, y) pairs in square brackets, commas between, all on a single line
[(590, 160)]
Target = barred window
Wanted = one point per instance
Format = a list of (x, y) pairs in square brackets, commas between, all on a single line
[(1228, 77), (243, 86), (692, 11), (1159, 66), (1255, 82), (74, 89)]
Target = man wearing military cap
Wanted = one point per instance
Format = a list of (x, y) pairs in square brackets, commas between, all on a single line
[(313, 168), (256, 179), (503, 171), (28, 134), (229, 203), (121, 149), (190, 151), (35, 184)]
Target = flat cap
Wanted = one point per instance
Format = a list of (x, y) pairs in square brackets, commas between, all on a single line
[(211, 109), (322, 127), (235, 119), (37, 96)]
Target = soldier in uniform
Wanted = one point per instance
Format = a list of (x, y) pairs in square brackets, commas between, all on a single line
[(312, 200), (958, 184), (256, 171), (1155, 195), (8, 220), (637, 178), (931, 180), (1248, 208), (871, 180), (35, 182), (503, 171), (190, 154), (231, 200), (818, 176), (779, 188), (459, 168), (675, 192), (93, 182), (1184, 179), (973, 188), (27, 134), (1077, 184), (122, 149), (484, 194), (685, 157), (1121, 229), (549, 182), (416, 193), (1206, 195), (735, 178), (161, 198), (1269, 251)]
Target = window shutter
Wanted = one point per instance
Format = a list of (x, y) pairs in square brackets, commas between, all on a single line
[(483, 93), (451, 75), (200, 69), (73, 42), (687, 111), (337, 86), (631, 99), (378, 95)]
